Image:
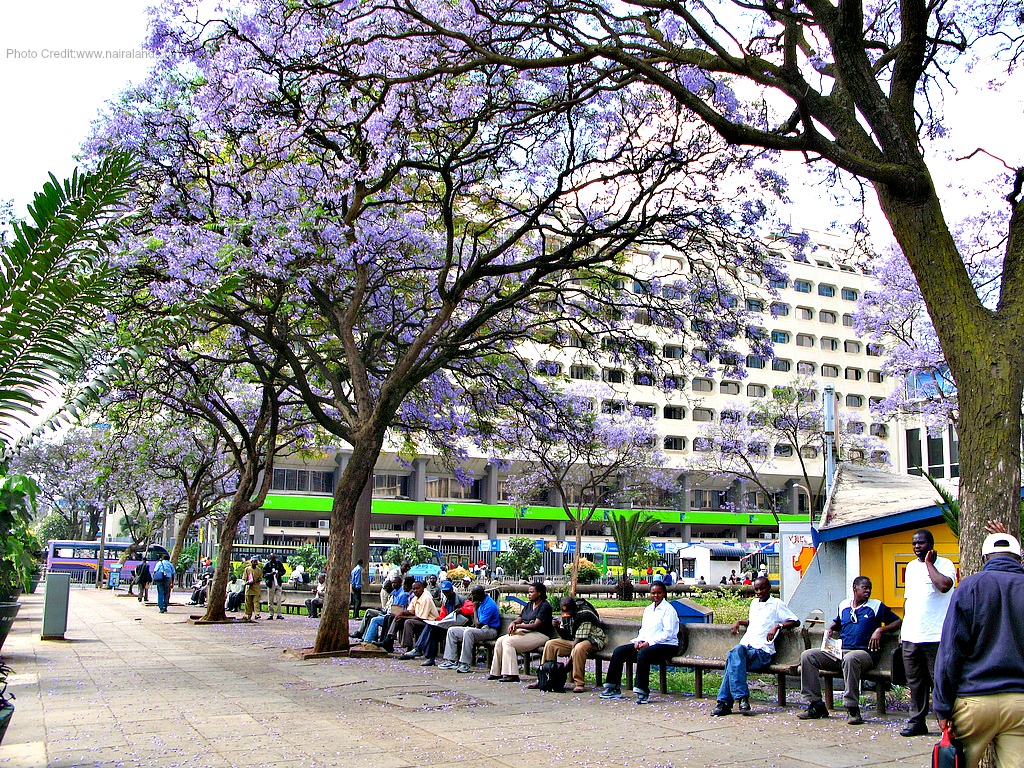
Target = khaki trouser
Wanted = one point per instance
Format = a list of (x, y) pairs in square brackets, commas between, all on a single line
[(577, 654), (252, 604), (999, 718), (855, 663), (504, 660)]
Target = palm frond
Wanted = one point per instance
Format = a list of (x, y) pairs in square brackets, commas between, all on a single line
[(54, 280), (950, 506)]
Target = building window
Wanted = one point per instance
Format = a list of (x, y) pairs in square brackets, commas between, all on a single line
[(914, 455), (646, 410), (804, 340), (829, 345), (449, 488), (613, 375), (755, 305), (828, 291), (954, 453), (675, 412), (804, 313), (809, 452), (936, 463), (848, 320), (856, 427), (801, 286), (729, 416), (390, 486), (643, 379), (755, 361), (780, 337), (851, 347), (850, 294), (783, 450), (688, 567), (876, 377), (304, 480), (703, 414), (779, 283), (828, 317), (549, 368), (830, 371), (783, 366), (673, 351), (854, 374), (780, 309), (879, 430), (875, 350), (675, 443), (757, 390), (613, 406), (675, 382), (808, 396), (729, 387), (854, 401), (584, 372), (805, 368), (701, 356), (577, 340), (874, 402), (703, 385)]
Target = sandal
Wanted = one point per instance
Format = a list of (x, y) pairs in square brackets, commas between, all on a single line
[(579, 689)]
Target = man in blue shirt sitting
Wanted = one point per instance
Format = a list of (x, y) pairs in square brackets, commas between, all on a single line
[(860, 624), (485, 626)]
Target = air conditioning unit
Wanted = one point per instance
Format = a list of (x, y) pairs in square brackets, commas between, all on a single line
[(323, 523), (763, 535)]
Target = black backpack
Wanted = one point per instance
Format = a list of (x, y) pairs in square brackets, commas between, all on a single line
[(582, 604), (551, 676)]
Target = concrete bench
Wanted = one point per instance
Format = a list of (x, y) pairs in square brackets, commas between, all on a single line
[(880, 674)]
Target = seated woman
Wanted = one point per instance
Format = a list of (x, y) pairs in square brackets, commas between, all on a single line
[(530, 631)]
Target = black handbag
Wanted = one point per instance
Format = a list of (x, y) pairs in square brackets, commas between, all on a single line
[(897, 670), (949, 752)]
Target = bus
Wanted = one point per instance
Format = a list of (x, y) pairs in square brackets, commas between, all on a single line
[(379, 563), (241, 554), (80, 557)]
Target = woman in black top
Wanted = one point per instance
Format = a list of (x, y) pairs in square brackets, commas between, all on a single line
[(527, 633), (143, 578)]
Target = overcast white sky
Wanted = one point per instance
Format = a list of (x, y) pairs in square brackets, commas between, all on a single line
[(51, 101)]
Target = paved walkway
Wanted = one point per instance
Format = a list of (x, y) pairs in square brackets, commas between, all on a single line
[(131, 687)]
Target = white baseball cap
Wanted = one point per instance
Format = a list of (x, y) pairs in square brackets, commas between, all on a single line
[(1000, 543)]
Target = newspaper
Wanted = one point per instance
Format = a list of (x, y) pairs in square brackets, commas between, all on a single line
[(453, 619), (833, 646)]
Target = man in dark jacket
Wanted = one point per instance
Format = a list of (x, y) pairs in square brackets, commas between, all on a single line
[(273, 575), (580, 634), (979, 682)]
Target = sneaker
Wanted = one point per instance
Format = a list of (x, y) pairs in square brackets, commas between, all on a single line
[(611, 692), (816, 710), (447, 665), (428, 663), (744, 705), (721, 709), (280, 617), (462, 669), (854, 716), (642, 697)]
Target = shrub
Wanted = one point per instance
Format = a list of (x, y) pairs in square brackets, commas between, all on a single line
[(589, 573)]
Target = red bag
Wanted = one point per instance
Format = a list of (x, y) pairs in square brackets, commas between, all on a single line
[(949, 752), (467, 608)]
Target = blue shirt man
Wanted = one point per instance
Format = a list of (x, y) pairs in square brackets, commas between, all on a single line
[(355, 581), (860, 623), (163, 575), (486, 623)]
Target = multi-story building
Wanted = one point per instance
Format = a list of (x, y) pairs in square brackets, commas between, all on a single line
[(810, 318)]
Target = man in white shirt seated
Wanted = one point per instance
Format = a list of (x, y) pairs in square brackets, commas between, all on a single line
[(768, 617), (235, 594), (316, 602), (657, 642)]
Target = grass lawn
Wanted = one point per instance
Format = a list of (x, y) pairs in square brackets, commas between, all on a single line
[(728, 606)]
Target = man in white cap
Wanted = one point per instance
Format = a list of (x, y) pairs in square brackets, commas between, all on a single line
[(979, 684)]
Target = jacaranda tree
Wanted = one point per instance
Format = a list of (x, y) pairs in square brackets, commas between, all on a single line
[(855, 88), (392, 219)]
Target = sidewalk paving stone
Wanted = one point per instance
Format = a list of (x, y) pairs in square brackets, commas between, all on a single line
[(132, 688)]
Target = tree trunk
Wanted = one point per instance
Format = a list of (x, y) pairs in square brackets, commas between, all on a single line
[(985, 355), (332, 635), (218, 588), (179, 538), (576, 561)]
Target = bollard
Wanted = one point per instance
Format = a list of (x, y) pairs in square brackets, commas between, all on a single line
[(55, 606)]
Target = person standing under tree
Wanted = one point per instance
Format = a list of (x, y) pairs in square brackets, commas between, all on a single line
[(356, 582), (927, 593), (273, 573), (253, 578)]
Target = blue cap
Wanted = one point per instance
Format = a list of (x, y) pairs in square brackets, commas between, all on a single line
[(446, 584)]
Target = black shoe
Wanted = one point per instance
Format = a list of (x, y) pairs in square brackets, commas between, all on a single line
[(854, 717), (428, 663), (816, 710), (914, 729), (509, 679), (721, 709), (744, 705)]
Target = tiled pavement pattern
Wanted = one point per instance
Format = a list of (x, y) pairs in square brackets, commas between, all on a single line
[(131, 688)]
